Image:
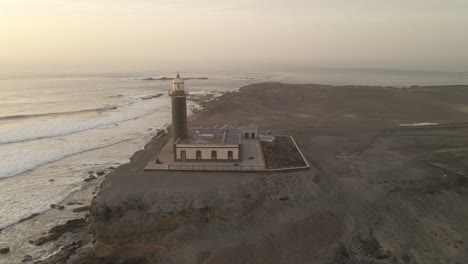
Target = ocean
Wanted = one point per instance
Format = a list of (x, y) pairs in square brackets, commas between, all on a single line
[(55, 129)]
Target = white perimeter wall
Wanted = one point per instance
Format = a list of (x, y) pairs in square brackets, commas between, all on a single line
[(222, 153)]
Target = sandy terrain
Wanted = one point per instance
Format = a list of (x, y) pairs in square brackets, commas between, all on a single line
[(377, 193)]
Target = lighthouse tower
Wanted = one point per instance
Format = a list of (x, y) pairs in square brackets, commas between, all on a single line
[(179, 109)]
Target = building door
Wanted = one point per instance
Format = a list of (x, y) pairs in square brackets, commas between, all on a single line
[(183, 155), (253, 135), (246, 135), (230, 155), (214, 155), (199, 157)]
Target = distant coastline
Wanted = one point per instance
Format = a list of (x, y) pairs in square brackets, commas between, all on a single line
[(170, 79)]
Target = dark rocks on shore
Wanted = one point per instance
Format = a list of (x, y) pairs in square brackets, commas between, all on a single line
[(74, 203), (29, 217), (27, 258), (58, 207), (51, 180), (90, 178), (81, 209), (100, 173), (58, 231), (64, 254), (5, 250), (149, 97)]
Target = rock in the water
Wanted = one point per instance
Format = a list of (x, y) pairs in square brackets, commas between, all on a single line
[(58, 207), (27, 258), (4, 250), (73, 203), (100, 173), (29, 217), (90, 178)]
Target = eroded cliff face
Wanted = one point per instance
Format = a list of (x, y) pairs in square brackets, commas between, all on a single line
[(260, 219)]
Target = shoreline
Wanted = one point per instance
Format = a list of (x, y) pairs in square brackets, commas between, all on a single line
[(88, 190)]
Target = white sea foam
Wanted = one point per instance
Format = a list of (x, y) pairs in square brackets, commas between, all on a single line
[(19, 157), (419, 124), (57, 126)]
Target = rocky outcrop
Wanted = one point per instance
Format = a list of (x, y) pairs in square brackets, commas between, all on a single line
[(59, 230), (230, 223), (81, 209)]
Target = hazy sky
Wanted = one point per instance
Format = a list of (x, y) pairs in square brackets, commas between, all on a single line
[(106, 35)]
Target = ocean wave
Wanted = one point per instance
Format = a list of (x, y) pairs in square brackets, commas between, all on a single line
[(58, 157), (101, 109), (54, 129), (17, 158)]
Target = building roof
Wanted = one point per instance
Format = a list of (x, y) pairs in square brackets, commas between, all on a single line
[(232, 136), (212, 136)]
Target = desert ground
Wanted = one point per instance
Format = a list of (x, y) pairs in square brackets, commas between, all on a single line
[(381, 189)]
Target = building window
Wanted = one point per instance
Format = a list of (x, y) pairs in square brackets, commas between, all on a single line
[(214, 154), (199, 157), (246, 135), (183, 155), (230, 155), (253, 135)]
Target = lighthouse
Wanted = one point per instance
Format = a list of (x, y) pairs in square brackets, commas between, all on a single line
[(179, 109)]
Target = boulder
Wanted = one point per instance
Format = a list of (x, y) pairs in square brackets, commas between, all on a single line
[(58, 207), (27, 258), (5, 250), (90, 178)]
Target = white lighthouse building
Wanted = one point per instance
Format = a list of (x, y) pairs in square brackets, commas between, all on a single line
[(204, 143)]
